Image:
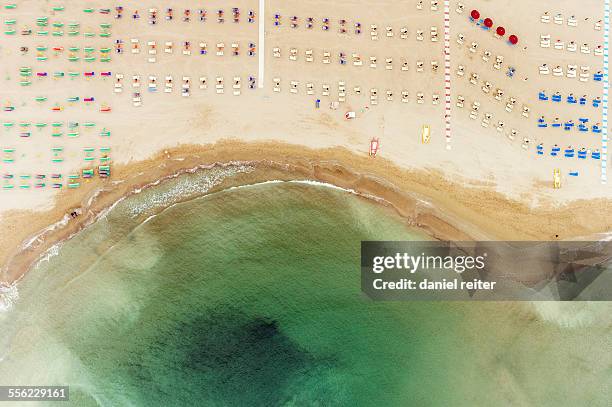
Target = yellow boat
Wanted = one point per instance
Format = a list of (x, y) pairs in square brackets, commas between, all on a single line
[(557, 178)]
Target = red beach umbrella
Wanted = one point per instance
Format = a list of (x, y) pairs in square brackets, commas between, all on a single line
[(475, 14), (488, 22), (501, 31), (513, 39)]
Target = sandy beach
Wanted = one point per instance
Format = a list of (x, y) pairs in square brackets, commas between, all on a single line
[(490, 184)]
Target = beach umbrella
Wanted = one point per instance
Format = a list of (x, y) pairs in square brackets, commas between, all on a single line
[(500, 31), (513, 39), (475, 14), (488, 22)]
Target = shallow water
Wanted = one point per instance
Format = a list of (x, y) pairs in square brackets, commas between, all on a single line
[(251, 296)]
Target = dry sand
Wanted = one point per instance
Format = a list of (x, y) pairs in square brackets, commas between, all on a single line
[(486, 187)]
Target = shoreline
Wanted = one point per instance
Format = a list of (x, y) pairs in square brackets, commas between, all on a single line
[(425, 199)]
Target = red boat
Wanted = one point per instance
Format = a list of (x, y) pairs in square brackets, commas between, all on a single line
[(374, 147)]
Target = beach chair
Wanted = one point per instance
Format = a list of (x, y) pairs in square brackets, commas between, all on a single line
[(373, 96), (460, 102), (374, 32), (187, 48), (220, 49), (373, 62), (277, 82), (293, 54), (219, 85), (597, 25), (309, 88), (545, 18), (341, 91), (294, 86), (572, 71), (486, 120), (309, 56), (433, 33), (460, 39), (276, 52), (475, 109), (389, 64), (499, 60), (135, 45), (585, 49), (500, 126), (203, 82), (169, 47), (237, 86), (525, 144), (557, 71), (404, 33), (326, 57), (420, 98), (325, 89), (152, 87), (136, 99), (389, 31), (169, 84), (558, 19), (499, 93), (435, 99), (474, 77), (584, 74), (185, 87), (405, 96)]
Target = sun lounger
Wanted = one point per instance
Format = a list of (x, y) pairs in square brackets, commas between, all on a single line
[(420, 98), (294, 86), (237, 86), (309, 88), (219, 85), (309, 56), (325, 89)]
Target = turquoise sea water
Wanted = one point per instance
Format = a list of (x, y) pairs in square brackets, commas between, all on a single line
[(251, 297)]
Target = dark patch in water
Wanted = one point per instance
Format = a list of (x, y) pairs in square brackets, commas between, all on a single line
[(225, 359)]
